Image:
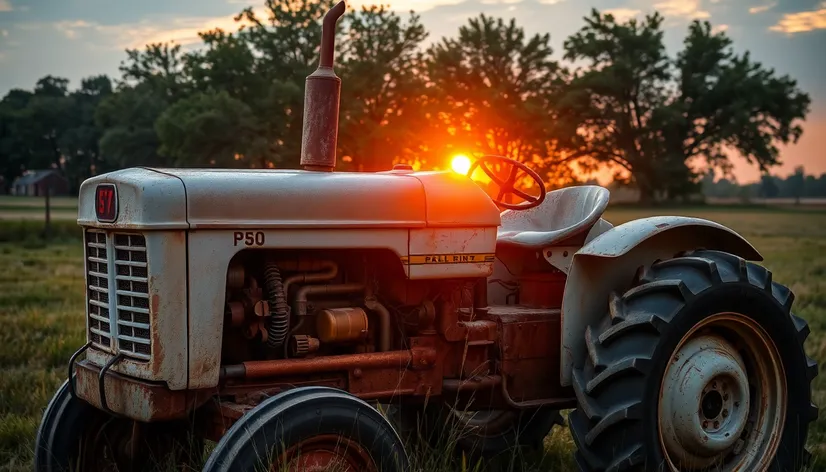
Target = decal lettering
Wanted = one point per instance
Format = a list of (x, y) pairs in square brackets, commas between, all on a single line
[(249, 238), (106, 202), (449, 259)]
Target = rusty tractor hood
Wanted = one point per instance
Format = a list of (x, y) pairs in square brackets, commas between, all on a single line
[(231, 198)]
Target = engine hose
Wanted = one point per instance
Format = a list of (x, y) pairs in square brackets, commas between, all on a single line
[(279, 322)]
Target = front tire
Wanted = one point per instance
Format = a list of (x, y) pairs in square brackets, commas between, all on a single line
[(310, 428), (699, 366), (75, 436)]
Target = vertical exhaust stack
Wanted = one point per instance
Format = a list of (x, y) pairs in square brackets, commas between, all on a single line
[(321, 102)]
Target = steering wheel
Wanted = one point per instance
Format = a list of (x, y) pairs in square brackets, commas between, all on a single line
[(507, 187)]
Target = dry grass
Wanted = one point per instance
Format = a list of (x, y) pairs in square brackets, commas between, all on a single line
[(41, 304)]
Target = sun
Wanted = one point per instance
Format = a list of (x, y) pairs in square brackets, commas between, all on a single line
[(460, 164)]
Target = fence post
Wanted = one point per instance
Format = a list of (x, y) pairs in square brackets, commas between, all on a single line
[(47, 229)]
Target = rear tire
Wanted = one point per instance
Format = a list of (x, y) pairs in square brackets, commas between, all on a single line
[(310, 427), (687, 329)]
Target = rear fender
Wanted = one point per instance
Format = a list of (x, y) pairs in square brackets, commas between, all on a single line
[(609, 262)]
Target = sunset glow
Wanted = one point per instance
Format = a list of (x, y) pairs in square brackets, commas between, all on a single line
[(460, 164)]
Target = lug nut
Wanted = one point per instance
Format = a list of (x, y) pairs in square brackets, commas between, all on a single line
[(716, 424), (725, 413), (725, 397), (705, 424)]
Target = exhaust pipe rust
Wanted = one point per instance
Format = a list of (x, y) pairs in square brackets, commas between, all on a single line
[(321, 103)]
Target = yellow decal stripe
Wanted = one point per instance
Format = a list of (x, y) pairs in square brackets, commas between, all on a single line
[(423, 259)]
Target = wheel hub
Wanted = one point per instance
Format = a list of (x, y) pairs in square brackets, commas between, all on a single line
[(329, 452), (708, 415), (705, 399)]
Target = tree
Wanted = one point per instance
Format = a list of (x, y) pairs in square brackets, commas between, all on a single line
[(16, 152), (794, 184), (633, 106), (210, 129), (383, 98), (152, 80), (128, 120), (286, 46), (80, 143), (768, 186), (492, 89)]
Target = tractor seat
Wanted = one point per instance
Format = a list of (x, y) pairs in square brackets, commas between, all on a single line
[(565, 213)]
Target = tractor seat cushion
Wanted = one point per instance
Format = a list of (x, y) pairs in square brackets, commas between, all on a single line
[(565, 213)]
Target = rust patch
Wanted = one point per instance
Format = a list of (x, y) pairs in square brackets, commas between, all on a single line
[(157, 344), (135, 398), (529, 351)]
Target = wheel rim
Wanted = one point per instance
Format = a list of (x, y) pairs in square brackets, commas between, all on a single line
[(723, 397), (330, 452)]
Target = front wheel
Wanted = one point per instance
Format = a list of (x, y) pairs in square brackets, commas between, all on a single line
[(75, 436), (310, 428), (699, 366)]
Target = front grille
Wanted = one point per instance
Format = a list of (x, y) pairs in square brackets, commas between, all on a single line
[(132, 295), (97, 292), (128, 301)]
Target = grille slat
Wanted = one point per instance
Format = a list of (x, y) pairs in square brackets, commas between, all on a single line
[(133, 324), (134, 309), (126, 329)]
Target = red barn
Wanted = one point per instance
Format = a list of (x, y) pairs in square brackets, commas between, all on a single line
[(33, 183)]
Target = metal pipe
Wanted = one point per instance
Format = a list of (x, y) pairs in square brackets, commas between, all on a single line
[(275, 368), (384, 321), (330, 270), (322, 94), (307, 290), (459, 385), (328, 34)]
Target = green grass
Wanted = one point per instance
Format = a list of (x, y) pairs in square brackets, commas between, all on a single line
[(42, 299)]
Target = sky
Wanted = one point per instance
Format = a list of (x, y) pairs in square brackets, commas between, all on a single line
[(80, 38)]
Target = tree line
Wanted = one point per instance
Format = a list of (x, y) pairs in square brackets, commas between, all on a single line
[(614, 98), (795, 186)]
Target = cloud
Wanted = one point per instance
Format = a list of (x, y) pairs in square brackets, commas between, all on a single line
[(4, 33), (406, 5), (802, 22), (183, 31), (622, 14), (5, 5), (762, 8), (720, 28), (690, 9), (72, 29)]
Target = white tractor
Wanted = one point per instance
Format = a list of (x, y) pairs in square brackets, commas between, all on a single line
[(272, 310)]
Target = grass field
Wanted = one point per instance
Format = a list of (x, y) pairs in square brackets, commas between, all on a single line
[(42, 299), (34, 208)]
